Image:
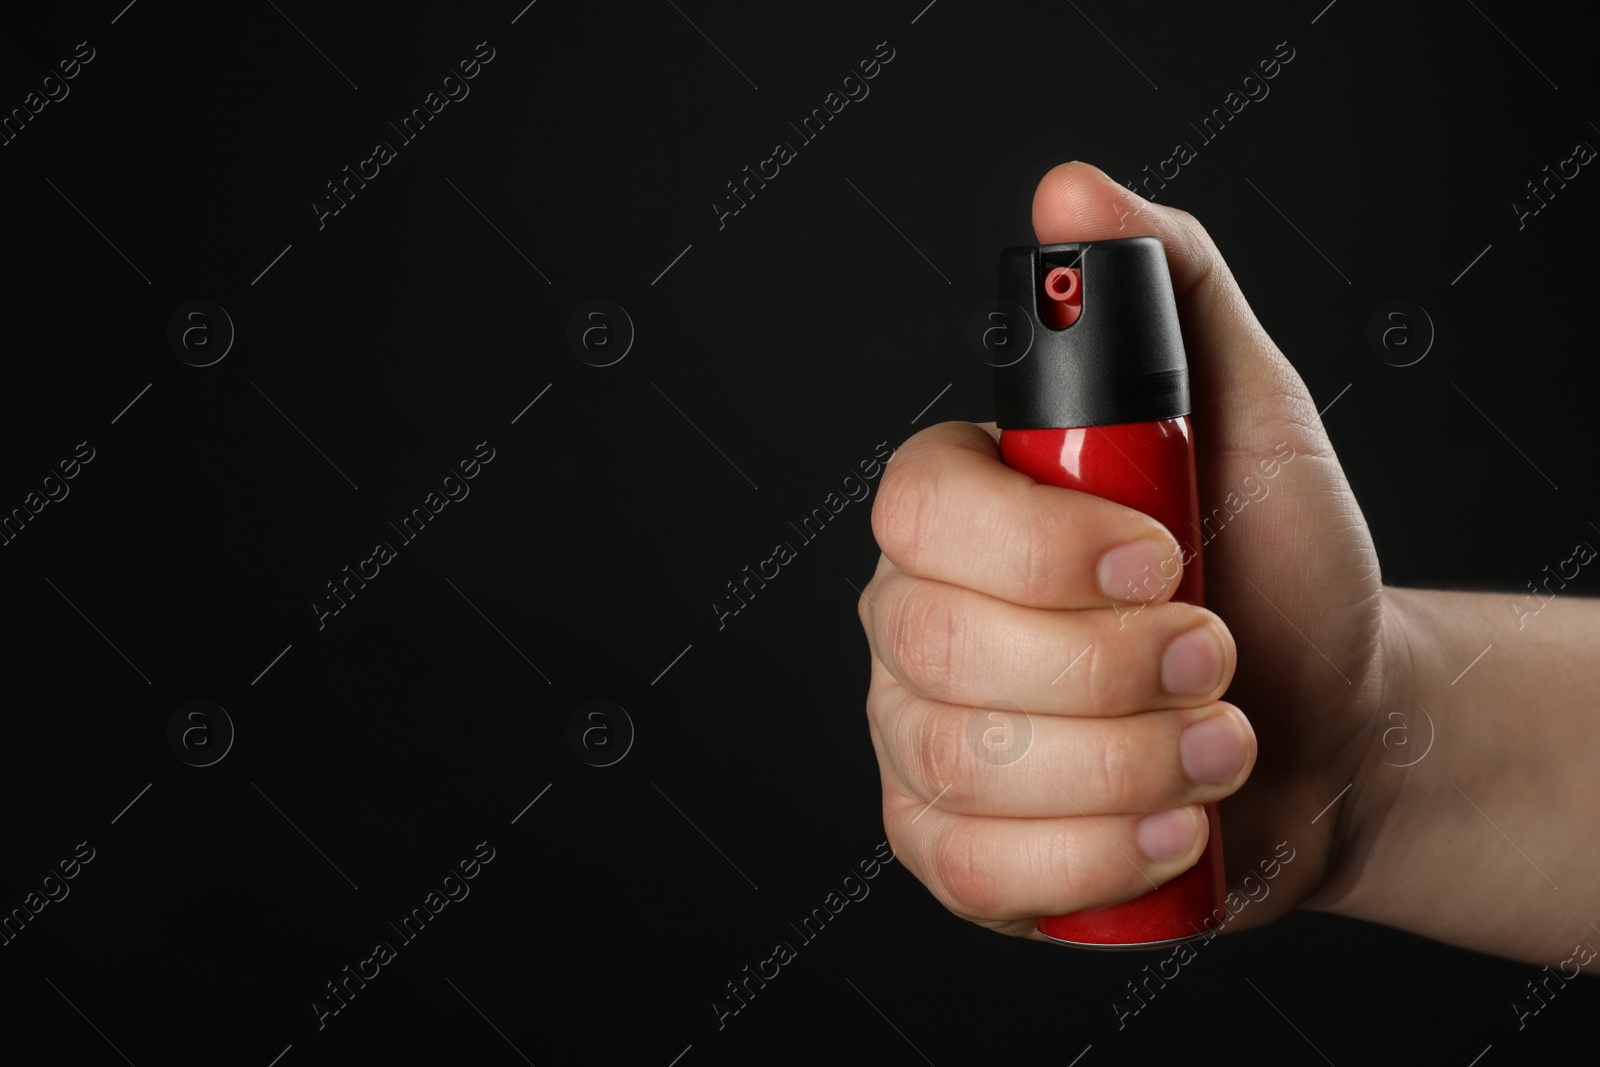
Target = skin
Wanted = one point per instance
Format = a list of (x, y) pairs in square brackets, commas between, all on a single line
[(990, 585)]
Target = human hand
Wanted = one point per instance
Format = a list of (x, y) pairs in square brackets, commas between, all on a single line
[(990, 585)]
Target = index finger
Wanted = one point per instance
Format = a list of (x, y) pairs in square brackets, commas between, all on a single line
[(949, 510)]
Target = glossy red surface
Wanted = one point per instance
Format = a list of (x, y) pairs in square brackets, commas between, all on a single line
[(1148, 466)]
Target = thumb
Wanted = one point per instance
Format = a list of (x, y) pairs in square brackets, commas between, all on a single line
[(1243, 385)]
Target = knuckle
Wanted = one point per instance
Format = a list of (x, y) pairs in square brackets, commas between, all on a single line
[(927, 638), (879, 707), (902, 510), (1098, 679), (864, 609), (1038, 543), (892, 824), (967, 885), (905, 838), (1062, 860), (1120, 777), (941, 756), (1185, 216)]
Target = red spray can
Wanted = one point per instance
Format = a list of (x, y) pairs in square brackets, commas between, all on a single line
[(1099, 403)]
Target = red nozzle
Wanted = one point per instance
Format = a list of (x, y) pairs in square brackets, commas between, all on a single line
[(1063, 297)]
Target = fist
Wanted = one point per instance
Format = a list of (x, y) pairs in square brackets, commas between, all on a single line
[(1045, 745), (996, 594)]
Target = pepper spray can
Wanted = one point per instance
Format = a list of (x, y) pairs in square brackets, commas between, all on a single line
[(1100, 403)]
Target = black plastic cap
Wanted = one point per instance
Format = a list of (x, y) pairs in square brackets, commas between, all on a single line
[(1122, 361)]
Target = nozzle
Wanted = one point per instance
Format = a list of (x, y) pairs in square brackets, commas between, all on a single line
[(1118, 358), (1063, 297)]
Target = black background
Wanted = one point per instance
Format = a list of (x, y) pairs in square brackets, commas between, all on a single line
[(428, 714)]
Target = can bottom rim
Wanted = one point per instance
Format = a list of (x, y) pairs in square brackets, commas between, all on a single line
[(1133, 946)]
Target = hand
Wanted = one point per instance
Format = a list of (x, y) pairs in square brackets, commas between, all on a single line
[(990, 585)]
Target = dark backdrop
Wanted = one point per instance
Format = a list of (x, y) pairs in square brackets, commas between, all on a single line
[(376, 349)]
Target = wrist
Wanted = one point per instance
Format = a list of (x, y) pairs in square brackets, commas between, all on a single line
[(1396, 716), (1477, 778)]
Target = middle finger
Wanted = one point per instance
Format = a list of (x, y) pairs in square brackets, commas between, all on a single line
[(963, 647)]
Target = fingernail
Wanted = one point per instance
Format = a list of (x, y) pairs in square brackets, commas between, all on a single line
[(1192, 664), (1134, 571), (1213, 751), (1167, 835)]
